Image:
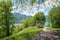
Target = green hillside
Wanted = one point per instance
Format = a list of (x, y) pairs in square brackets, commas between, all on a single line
[(25, 34)]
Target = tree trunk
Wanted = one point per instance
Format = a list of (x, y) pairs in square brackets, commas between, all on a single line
[(7, 25)]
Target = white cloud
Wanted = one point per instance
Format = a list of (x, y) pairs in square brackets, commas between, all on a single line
[(29, 10)]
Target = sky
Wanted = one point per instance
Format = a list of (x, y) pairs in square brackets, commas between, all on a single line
[(31, 11)]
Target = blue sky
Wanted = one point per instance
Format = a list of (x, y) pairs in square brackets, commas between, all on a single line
[(29, 10), (32, 12), (47, 10)]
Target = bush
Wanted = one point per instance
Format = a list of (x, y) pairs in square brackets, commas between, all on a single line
[(18, 29)]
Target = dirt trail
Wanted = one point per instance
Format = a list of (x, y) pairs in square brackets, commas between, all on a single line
[(47, 35)]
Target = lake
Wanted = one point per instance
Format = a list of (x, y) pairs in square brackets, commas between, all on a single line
[(17, 24)]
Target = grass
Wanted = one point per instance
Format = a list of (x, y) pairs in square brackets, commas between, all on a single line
[(25, 34), (50, 28)]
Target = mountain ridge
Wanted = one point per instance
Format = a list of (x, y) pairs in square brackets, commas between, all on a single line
[(20, 16)]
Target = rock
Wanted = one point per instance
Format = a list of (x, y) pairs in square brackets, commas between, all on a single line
[(39, 25)]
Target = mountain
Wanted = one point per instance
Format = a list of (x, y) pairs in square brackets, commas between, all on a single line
[(20, 16)]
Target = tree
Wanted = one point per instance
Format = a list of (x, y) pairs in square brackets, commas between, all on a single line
[(6, 15), (39, 18), (54, 15), (26, 23)]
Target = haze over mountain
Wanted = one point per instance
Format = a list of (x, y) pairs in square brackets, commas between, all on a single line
[(20, 16)]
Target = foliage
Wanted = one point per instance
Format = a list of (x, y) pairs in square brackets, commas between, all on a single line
[(39, 18), (54, 16), (25, 34), (18, 29), (27, 22), (6, 17)]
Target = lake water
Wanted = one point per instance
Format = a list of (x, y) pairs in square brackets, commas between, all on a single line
[(17, 24)]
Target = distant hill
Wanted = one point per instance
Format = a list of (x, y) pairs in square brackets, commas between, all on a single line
[(20, 16)]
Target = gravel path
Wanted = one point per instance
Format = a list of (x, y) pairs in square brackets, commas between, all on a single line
[(47, 35)]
